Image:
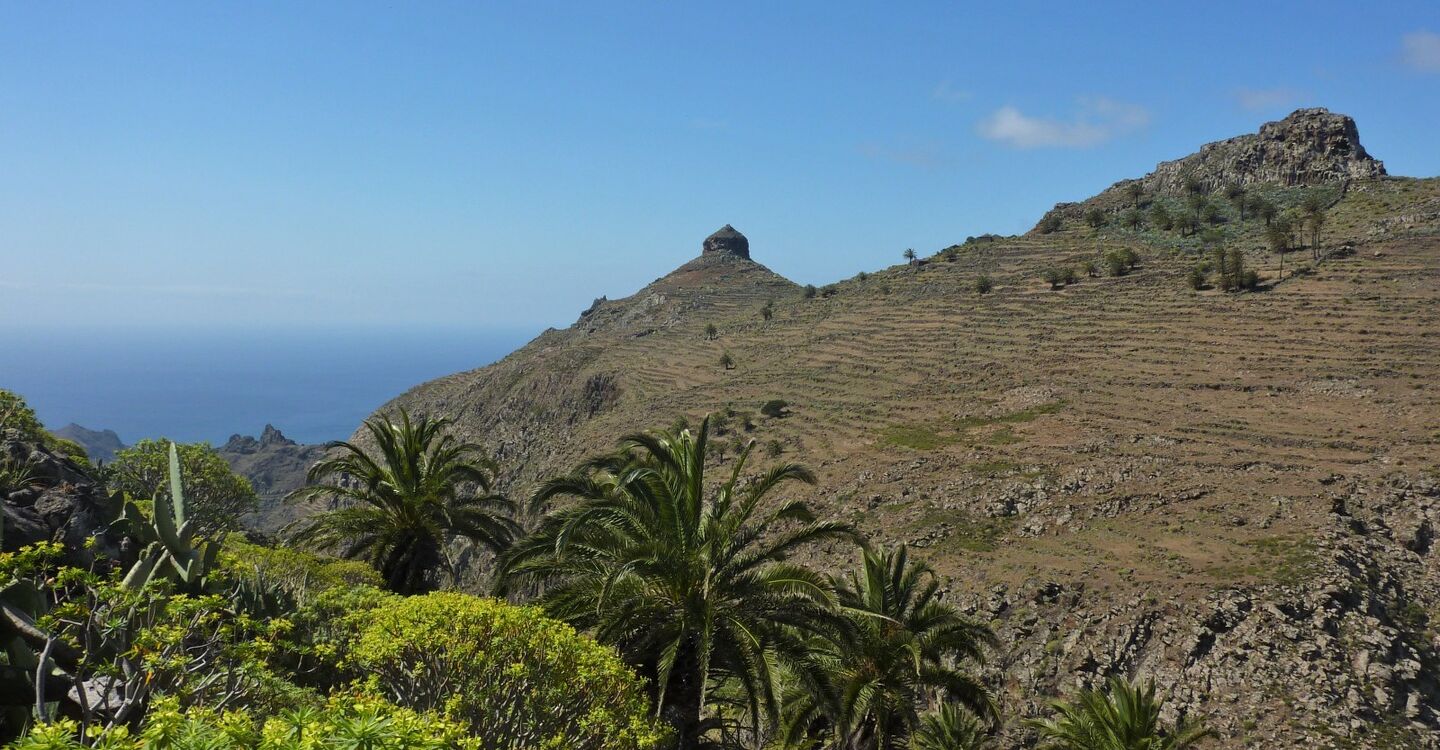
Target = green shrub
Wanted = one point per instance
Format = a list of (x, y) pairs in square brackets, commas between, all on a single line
[(1196, 278), (522, 679), (17, 415), (301, 574), (347, 722), (775, 408), (1095, 218), (983, 285), (1049, 224), (809, 291)]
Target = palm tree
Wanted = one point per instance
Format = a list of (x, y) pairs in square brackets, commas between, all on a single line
[(910, 254), (690, 582), (951, 728), (900, 652), (405, 502), (1125, 717)]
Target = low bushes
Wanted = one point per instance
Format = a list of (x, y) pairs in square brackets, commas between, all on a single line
[(345, 722), (519, 679)]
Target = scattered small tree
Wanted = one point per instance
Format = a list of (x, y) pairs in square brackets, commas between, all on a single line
[(1091, 269), (1211, 214), (1197, 203), (1313, 212), (1236, 194), (1161, 218), (1095, 217), (768, 311), (1049, 224), (1193, 186), (1266, 210), (1053, 277), (1187, 224), (1277, 235), (1120, 262), (1133, 219), (1135, 192), (983, 285), (727, 361), (1197, 277), (711, 332), (809, 291), (910, 254)]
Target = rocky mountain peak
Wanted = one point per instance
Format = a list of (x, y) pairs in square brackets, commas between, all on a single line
[(726, 241), (1310, 147), (272, 436)]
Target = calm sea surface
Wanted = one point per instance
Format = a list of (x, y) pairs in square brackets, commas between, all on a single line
[(207, 385)]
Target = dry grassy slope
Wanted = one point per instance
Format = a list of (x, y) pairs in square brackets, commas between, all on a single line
[(1128, 441)]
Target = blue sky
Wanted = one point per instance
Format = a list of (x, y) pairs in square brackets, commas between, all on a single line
[(498, 166)]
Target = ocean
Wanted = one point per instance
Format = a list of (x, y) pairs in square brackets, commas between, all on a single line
[(192, 385)]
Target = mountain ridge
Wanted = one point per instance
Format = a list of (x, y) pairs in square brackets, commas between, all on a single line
[(1125, 475)]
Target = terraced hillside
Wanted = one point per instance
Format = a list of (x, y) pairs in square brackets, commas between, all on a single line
[(1235, 493)]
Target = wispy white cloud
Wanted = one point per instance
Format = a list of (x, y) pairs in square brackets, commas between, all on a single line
[(945, 91), (1421, 50), (1262, 100), (1096, 121)]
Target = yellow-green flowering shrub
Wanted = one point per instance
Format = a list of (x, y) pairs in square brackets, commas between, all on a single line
[(301, 574), (514, 676), (346, 722)]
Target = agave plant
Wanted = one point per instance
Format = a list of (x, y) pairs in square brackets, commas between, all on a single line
[(172, 547), (1126, 716)]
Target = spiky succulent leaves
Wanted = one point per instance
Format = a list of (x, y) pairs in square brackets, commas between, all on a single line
[(902, 651), (693, 585), (1125, 716), (402, 503)]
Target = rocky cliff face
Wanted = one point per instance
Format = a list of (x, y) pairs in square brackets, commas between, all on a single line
[(1310, 147), (1347, 632), (727, 241)]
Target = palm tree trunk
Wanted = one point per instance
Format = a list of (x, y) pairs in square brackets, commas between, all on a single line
[(683, 705)]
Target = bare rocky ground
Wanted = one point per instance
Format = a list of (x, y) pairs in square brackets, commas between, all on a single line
[(1234, 494)]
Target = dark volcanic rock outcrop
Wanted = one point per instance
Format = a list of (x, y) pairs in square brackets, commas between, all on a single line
[(59, 501), (1310, 147), (728, 241)]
